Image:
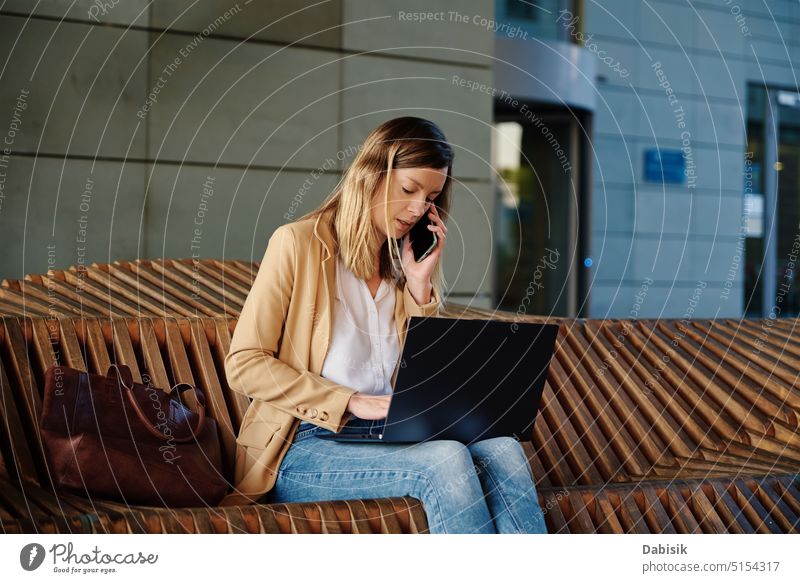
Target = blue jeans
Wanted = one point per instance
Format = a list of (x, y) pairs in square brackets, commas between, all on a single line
[(485, 487)]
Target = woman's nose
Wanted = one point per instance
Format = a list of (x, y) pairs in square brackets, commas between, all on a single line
[(418, 207)]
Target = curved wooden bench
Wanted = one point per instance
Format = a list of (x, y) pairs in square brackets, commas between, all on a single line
[(168, 351), (628, 405)]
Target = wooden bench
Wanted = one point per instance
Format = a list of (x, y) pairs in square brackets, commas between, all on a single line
[(630, 408), (168, 350)]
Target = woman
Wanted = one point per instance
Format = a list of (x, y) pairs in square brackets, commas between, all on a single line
[(318, 343)]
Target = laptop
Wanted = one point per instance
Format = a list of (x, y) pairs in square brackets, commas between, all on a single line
[(465, 380)]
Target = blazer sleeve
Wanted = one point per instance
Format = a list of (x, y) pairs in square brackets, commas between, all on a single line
[(425, 310), (251, 366)]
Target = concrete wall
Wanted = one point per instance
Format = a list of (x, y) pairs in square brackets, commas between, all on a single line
[(171, 132), (678, 236)]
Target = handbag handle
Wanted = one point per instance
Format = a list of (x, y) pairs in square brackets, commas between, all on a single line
[(124, 376)]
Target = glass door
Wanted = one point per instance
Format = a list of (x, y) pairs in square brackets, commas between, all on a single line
[(753, 204), (787, 242), (772, 288), (538, 220)]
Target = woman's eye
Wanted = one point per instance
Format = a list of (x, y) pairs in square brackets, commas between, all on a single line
[(406, 191)]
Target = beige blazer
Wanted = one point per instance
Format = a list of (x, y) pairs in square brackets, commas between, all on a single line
[(279, 346)]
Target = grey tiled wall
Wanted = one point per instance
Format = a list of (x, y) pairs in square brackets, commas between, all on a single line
[(254, 106)]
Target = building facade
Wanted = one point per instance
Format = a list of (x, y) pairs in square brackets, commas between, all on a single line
[(613, 159), (685, 202)]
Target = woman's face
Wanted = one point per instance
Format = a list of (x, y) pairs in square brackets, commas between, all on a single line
[(409, 192)]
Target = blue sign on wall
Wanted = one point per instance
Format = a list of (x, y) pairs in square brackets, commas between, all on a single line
[(669, 162)]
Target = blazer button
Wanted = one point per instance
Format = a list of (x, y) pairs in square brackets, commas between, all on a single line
[(302, 410), (324, 416), (313, 413)]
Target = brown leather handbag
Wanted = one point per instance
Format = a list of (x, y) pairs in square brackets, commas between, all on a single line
[(108, 437)]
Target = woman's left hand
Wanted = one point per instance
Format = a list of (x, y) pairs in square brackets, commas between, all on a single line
[(419, 274)]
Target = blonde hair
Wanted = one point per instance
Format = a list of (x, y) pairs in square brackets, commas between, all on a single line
[(403, 142)]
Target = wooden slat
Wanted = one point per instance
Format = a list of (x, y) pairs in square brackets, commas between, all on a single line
[(557, 472), (151, 353), (653, 511), (553, 514), (678, 427), (778, 510), (605, 517), (223, 304), (24, 304), (776, 344), (602, 454), (207, 380), (17, 457), (125, 296), (780, 381), (206, 279), (178, 359), (56, 303), (111, 301), (70, 345), (96, 347), (579, 520), (744, 403), (574, 453), (752, 508), (87, 305), (233, 270), (237, 402), (540, 476), (682, 518), (201, 307), (731, 369), (700, 408), (789, 494), (155, 295), (730, 511), (216, 277), (637, 402), (124, 352), (607, 418), (635, 522)]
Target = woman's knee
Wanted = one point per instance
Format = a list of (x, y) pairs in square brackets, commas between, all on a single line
[(496, 447), (504, 454), (446, 464)]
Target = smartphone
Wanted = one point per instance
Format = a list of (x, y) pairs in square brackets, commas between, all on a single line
[(423, 240)]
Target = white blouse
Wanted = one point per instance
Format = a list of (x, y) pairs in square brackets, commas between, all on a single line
[(364, 348)]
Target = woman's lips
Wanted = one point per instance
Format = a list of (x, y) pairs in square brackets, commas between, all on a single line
[(403, 225)]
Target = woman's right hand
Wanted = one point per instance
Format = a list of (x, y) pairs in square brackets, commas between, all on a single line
[(369, 406)]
